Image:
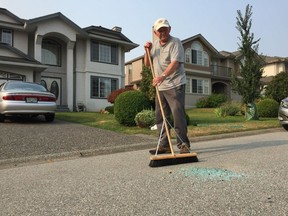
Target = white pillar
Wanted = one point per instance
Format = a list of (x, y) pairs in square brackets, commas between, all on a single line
[(37, 55), (70, 78)]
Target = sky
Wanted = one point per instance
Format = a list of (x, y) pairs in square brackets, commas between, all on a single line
[(214, 19)]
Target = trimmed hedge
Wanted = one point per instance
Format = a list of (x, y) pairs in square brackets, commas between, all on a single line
[(127, 105), (267, 108), (212, 101)]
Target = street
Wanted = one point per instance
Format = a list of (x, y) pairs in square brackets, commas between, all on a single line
[(244, 175)]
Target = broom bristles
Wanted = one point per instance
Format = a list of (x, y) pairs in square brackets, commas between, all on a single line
[(166, 160)]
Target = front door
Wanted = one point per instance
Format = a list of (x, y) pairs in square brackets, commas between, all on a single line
[(54, 86)]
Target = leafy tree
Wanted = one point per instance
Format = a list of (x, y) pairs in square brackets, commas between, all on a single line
[(278, 88), (247, 82), (146, 84)]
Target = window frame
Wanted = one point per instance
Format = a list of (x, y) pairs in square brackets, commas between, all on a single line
[(10, 42), (58, 54), (101, 92), (196, 55), (197, 86), (98, 49)]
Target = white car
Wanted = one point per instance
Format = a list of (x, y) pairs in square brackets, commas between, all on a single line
[(283, 113), (26, 98)]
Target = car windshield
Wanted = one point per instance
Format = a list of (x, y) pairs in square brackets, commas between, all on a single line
[(24, 86)]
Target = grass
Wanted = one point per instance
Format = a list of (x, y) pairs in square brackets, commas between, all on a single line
[(202, 122)]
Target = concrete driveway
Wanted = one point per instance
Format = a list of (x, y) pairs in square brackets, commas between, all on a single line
[(245, 175), (32, 140)]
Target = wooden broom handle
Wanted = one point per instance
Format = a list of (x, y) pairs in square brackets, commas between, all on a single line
[(160, 102)]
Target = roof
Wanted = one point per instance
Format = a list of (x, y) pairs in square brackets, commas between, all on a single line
[(23, 59), (203, 40), (98, 32), (274, 59), (8, 13), (59, 16)]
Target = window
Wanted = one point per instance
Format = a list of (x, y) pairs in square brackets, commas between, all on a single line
[(197, 86), (196, 55), (205, 59), (188, 56), (101, 87), (11, 76), (104, 52), (51, 52), (6, 36)]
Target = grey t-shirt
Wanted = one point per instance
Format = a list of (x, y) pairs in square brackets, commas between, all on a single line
[(162, 56)]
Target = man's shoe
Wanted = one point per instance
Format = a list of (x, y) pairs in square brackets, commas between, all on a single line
[(161, 150), (184, 149)]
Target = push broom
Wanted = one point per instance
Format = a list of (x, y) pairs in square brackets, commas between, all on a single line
[(167, 159)]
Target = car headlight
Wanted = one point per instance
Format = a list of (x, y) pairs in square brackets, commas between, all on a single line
[(284, 104)]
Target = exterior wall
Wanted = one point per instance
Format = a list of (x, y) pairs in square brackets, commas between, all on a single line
[(85, 68), (137, 66), (273, 69), (21, 41)]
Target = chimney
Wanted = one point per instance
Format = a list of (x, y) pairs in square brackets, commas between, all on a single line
[(117, 29)]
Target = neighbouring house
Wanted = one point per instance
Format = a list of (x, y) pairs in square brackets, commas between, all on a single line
[(81, 66), (208, 71), (273, 66)]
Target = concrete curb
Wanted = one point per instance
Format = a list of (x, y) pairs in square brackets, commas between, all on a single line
[(151, 143)]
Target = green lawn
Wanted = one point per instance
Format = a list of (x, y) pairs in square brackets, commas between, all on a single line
[(202, 122)]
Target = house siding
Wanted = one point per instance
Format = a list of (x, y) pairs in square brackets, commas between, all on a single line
[(74, 74)]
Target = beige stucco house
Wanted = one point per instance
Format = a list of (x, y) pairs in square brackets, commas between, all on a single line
[(79, 65), (208, 70)]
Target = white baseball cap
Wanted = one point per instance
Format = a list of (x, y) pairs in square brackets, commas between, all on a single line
[(161, 22)]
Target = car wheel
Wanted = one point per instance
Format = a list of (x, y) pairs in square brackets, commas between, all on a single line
[(49, 117), (285, 127), (2, 118)]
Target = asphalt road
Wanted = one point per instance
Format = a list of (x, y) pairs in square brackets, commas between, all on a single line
[(241, 175)]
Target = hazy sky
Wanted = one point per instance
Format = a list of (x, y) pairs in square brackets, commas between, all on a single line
[(214, 19)]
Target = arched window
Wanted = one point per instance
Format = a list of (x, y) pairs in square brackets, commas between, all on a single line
[(51, 52), (196, 55)]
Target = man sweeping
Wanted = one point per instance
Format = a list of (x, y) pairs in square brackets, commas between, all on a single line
[(167, 55)]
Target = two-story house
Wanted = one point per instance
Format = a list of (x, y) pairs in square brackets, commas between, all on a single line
[(79, 65), (208, 71), (273, 66)]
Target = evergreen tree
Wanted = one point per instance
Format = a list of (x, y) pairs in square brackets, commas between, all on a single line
[(247, 82)]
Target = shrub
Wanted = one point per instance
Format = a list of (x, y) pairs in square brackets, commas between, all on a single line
[(127, 105), (202, 102), (228, 109), (267, 108), (114, 94), (110, 109), (278, 88), (212, 101), (145, 118)]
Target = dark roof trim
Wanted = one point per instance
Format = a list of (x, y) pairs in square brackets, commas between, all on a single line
[(23, 56), (104, 34), (199, 36), (99, 30), (5, 11), (57, 15)]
